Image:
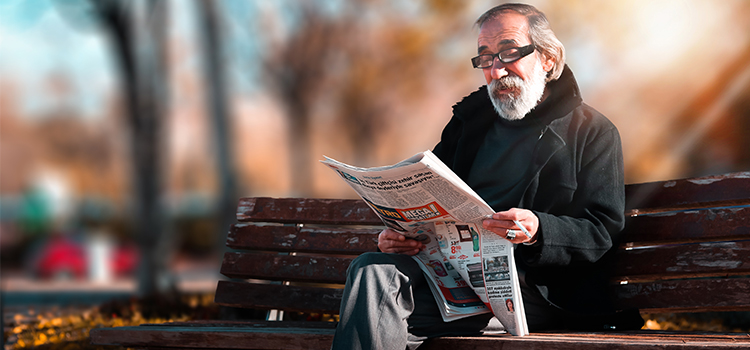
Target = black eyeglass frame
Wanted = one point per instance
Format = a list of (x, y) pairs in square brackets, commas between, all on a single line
[(523, 51)]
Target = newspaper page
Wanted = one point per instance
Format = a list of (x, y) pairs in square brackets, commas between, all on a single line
[(471, 270)]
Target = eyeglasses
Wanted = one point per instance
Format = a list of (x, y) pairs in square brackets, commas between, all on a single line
[(505, 56)]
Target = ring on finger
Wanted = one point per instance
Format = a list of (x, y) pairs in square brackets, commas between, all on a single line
[(511, 234)]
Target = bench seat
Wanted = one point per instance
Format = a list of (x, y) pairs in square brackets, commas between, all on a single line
[(319, 335), (686, 249)]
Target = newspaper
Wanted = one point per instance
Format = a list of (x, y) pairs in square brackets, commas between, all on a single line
[(471, 270)]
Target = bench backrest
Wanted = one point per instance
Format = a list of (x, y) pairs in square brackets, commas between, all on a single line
[(687, 248)]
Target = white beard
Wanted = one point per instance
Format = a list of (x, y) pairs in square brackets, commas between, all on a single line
[(519, 103)]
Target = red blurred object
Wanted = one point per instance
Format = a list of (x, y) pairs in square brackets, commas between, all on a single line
[(125, 260), (62, 257)]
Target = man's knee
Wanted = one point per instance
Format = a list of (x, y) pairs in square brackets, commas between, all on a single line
[(377, 261), (377, 258)]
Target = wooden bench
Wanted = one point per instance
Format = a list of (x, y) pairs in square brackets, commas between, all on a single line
[(687, 249)]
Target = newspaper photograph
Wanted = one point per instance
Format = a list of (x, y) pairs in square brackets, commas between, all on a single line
[(471, 270)]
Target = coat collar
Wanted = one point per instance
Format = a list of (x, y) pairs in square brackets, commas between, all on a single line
[(478, 114), (564, 96)]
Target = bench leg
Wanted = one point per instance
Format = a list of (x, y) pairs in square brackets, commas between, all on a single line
[(275, 315)]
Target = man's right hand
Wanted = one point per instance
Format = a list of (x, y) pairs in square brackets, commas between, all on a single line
[(390, 241)]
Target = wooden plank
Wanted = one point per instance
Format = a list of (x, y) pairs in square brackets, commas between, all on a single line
[(215, 337), (270, 336), (332, 240), (683, 261), (725, 294), (590, 341), (688, 226), (318, 269), (727, 189), (647, 334), (244, 324), (277, 296), (696, 295), (720, 190), (307, 210)]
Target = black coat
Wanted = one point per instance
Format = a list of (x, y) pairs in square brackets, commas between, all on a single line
[(576, 190)]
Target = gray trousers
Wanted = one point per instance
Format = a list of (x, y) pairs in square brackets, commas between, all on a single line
[(387, 304)]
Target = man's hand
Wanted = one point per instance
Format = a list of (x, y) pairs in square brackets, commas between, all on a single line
[(390, 241), (503, 221)]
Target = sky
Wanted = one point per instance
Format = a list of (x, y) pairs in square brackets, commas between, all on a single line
[(37, 41), (40, 38)]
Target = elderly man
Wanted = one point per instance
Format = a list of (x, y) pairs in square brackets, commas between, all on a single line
[(529, 146)]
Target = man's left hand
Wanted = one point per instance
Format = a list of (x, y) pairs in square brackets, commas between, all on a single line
[(503, 221)]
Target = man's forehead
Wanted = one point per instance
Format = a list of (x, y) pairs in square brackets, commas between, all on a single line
[(501, 42), (504, 29)]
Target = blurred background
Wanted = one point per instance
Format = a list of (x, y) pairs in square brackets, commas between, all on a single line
[(129, 129)]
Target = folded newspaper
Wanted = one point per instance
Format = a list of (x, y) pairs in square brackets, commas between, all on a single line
[(471, 270)]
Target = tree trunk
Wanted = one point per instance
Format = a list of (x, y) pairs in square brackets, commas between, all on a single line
[(300, 150), (213, 73), (138, 38)]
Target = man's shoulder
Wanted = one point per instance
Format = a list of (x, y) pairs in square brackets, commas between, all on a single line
[(584, 123), (593, 118), (588, 124)]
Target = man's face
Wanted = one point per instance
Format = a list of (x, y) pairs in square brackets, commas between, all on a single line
[(515, 88)]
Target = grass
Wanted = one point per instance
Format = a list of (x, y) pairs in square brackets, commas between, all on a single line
[(65, 329)]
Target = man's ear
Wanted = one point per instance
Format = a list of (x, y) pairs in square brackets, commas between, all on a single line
[(547, 63)]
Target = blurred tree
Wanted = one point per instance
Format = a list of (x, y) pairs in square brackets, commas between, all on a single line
[(137, 33), (216, 96), (297, 69), (391, 64), (360, 57)]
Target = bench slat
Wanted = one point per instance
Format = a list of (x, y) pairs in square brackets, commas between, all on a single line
[(674, 227), (318, 269), (278, 296), (655, 263), (695, 295), (594, 341), (688, 226), (244, 323), (352, 241), (307, 211), (709, 191), (219, 337), (720, 190), (287, 335), (684, 261)]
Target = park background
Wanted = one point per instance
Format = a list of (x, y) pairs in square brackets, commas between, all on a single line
[(129, 129)]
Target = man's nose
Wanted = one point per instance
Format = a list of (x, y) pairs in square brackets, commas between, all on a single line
[(497, 70)]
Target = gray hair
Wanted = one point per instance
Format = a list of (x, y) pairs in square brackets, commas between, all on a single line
[(540, 33)]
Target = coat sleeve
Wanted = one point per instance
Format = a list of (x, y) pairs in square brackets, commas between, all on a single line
[(596, 214)]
